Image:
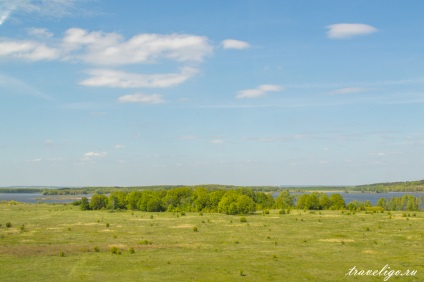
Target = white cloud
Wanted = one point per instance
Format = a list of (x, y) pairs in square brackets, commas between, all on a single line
[(217, 141), (234, 44), (90, 155), (40, 32), (95, 154), (119, 146), (120, 79), (345, 30), (44, 8), (112, 50), (261, 90), (142, 98), (348, 90), (99, 48), (28, 50)]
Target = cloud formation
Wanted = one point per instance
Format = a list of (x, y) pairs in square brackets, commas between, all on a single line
[(234, 44), (348, 90), (346, 30), (89, 156), (142, 98), (121, 79), (259, 91), (43, 8), (112, 50), (99, 48)]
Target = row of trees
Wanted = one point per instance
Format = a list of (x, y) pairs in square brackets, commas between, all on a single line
[(239, 201), (320, 201)]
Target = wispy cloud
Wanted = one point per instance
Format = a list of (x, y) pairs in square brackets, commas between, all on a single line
[(121, 79), (95, 154), (101, 48), (89, 156), (217, 141), (19, 87), (259, 91), (98, 48), (28, 50), (234, 44), (349, 30), (40, 32), (348, 90), (42, 8), (142, 98)]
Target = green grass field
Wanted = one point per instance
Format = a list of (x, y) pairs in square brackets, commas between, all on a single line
[(63, 243)]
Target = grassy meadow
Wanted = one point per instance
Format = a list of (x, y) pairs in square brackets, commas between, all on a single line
[(63, 243)]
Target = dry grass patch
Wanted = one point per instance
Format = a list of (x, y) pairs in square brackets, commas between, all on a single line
[(336, 240)]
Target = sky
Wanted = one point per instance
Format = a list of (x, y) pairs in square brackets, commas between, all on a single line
[(239, 92)]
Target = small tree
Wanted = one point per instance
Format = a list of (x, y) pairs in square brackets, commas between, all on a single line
[(98, 202), (84, 204)]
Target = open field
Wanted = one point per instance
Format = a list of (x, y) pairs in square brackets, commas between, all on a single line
[(63, 243)]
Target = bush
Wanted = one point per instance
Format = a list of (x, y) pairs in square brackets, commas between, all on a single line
[(282, 212), (243, 219), (107, 224), (114, 250), (8, 224), (132, 250), (96, 249), (144, 242), (61, 254), (195, 229)]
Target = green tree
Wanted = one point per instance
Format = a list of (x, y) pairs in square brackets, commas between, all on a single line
[(337, 202), (85, 205), (245, 204), (302, 202), (284, 200), (117, 200), (98, 202), (324, 201), (132, 199)]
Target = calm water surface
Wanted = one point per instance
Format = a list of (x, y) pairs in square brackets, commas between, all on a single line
[(38, 197)]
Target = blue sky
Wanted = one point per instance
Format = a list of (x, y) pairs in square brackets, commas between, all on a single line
[(224, 92)]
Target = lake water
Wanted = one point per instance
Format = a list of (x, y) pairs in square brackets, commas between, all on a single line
[(38, 197), (362, 197)]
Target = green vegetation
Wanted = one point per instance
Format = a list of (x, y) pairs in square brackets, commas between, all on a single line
[(63, 243)]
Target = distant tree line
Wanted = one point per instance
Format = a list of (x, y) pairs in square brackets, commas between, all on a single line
[(408, 186), (107, 190)]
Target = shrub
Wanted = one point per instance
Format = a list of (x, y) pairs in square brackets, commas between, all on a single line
[(96, 249), (243, 219), (114, 250), (282, 212), (22, 228), (107, 224), (132, 250), (183, 213), (195, 229), (8, 224), (61, 254), (144, 242)]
